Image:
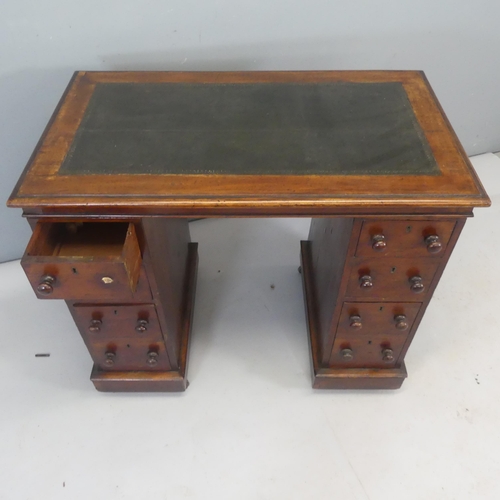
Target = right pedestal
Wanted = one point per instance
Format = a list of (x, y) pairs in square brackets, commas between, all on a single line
[(367, 282)]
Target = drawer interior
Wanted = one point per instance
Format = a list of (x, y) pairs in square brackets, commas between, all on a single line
[(86, 239)]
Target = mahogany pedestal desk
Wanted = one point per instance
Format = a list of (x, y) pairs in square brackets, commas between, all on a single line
[(129, 157)]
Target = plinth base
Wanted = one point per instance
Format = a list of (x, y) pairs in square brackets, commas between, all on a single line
[(138, 381)]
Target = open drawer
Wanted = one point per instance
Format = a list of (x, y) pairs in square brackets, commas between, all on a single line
[(79, 261)]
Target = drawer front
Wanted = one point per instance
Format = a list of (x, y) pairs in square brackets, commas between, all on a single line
[(129, 354), (97, 322), (404, 238), (405, 280), (91, 261), (362, 320), (367, 351), (88, 281)]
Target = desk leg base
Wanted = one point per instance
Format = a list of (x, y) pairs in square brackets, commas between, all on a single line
[(138, 381), (325, 377), (359, 378), (156, 381)]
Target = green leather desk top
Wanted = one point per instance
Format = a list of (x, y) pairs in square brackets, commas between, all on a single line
[(337, 128)]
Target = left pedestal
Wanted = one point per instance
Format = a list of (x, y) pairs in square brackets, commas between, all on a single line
[(130, 287)]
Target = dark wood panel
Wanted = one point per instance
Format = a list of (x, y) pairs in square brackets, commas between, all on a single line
[(329, 245), (166, 260)]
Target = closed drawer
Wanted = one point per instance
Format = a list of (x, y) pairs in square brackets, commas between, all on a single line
[(86, 261), (129, 354), (97, 322), (404, 238), (377, 351), (402, 280), (372, 335), (376, 318)]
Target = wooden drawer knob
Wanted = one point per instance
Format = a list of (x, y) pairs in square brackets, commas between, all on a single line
[(433, 243), (401, 322), (152, 358), (45, 287), (355, 322), (110, 358), (142, 325), (416, 284), (95, 325), (387, 355), (365, 281), (347, 354), (379, 243)]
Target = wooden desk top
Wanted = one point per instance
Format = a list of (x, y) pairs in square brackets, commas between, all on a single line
[(248, 143)]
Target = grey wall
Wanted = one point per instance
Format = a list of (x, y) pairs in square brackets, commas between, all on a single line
[(41, 43)]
